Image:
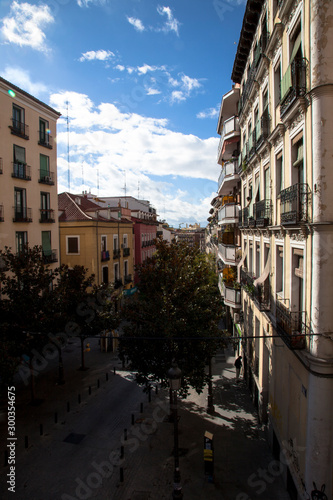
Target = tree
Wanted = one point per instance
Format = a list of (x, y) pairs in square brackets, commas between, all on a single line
[(25, 287), (174, 316)]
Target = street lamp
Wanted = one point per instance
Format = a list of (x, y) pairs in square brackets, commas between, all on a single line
[(174, 376)]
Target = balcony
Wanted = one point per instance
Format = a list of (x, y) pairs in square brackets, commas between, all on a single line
[(22, 214), (263, 213), (50, 256), (105, 256), (126, 252), (45, 140), (19, 128), (228, 177), (46, 215), (260, 294), (295, 204), (116, 253), (262, 129), (1, 213), (229, 254), (243, 218), (46, 177), (293, 84), (229, 136), (228, 214), (231, 295), (291, 326), (21, 171)]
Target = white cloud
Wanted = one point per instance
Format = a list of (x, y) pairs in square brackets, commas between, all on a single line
[(22, 79), (137, 23), (177, 96), (85, 3), (172, 24), (24, 25), (100, 55), (152, 91), (105, 139), (120, 67), (209, 113)]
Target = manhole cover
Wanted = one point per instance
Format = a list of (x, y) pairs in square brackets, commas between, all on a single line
[(74, 438)]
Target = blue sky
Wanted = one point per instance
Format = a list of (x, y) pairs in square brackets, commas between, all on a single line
[(143, 80)]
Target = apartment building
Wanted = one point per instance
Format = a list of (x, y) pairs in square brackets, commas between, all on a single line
[(284, 71), (93, 236), (28, 173)]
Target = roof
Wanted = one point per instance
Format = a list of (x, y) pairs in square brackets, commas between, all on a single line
[(250, 23), (79, 208), (23, 92)]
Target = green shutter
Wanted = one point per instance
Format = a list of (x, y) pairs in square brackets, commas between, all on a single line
[(297, 45), (286, 82), (46, 242), (44, 166)]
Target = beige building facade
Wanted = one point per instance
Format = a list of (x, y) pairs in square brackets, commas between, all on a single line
[(28, 173), (284, 68)]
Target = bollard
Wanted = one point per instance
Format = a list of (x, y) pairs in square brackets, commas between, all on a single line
[(41, 429), (125, 434), (68, 407), (79, 399), (6, 458), (141, 407), (89, 390), (106, 376), (121, 470), (121, 452), (98, 383), (26, 441), (56, 418), (132, 419)]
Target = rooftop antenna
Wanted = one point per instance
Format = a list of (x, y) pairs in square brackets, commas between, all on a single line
[(68, 165)]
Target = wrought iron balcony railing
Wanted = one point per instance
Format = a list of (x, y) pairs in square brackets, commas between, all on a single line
[(295, 204), (291, 326), (105, 255), (45, 139), (263, 213), (46, 177), (243, 220), (19, 128), (293, 84), (260, 294), (116, 253), (22, 214), (46, 215), (50, 256), (126, 252), (21, 171)]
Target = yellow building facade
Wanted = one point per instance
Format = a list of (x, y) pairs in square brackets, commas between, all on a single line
[(92, 237), (28, 173)]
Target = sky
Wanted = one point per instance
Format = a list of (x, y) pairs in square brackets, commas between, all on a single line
[(139, 85)]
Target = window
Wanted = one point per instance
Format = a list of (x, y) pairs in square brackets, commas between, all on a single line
[(125, 268), (297, 159), (265, 100), (73, 245), (115, 242), (257, 257), (125, 241), (105, 274), (277, 84), (295, 43), (21, 238), (46, 246), (44, 163), (103, 243), (278, 173), (44, 132), (20, 205), (45, 213), (20, 169), (116, 272), (18, 119), (279, 270), (267, 194)]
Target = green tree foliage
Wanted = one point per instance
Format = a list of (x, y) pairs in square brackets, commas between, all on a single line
[(174, 316)]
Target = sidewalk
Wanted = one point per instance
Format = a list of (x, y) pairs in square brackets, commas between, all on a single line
[(52, 467)]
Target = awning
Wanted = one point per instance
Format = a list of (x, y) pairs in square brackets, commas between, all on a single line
[(240, 263), (238, 328), (229, 141), (265, 272)]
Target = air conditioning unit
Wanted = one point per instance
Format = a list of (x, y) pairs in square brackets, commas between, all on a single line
[(48, 178)]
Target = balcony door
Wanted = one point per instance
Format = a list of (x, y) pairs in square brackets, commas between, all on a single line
[(20, 206), (46, 245), (19, 162)]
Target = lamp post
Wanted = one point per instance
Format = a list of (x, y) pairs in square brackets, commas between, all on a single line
[(174, 376)]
